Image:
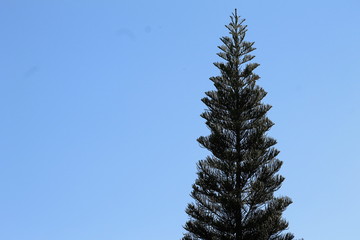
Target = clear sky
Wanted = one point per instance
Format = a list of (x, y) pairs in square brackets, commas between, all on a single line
[(100, 105)]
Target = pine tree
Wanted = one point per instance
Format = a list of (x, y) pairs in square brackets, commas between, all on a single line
[(234, 190)]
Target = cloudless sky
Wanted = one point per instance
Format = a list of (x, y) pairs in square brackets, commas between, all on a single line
[(100, 105)]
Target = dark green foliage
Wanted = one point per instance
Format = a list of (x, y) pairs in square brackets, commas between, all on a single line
[(234, 191)]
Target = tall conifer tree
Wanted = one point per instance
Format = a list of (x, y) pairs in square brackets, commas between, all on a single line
[(234, 191)]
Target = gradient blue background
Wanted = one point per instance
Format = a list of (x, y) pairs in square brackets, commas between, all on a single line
[(100, 104)]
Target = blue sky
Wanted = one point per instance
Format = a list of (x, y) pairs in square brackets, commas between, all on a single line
[(100, 105)]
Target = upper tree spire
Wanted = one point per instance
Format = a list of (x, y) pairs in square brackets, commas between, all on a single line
[(234, 191)]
